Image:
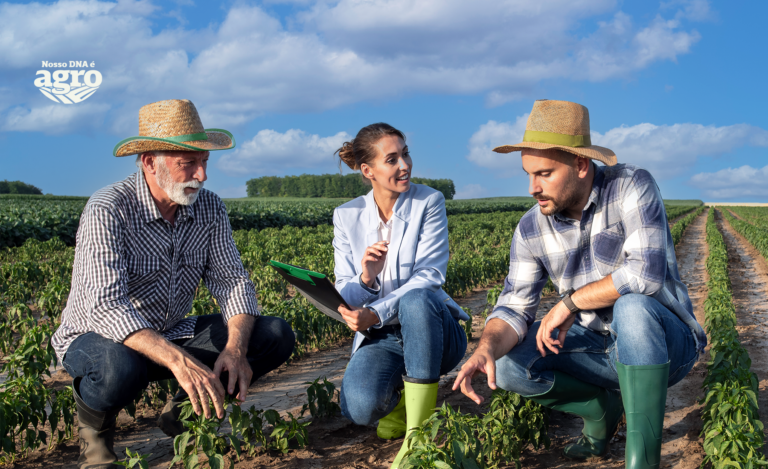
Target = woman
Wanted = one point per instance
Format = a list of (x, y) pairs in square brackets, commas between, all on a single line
[(391, 253)]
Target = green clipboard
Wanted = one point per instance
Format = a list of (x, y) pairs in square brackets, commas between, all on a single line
[(316, 288)]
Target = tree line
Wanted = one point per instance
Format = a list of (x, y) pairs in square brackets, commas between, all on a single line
[(18, 187), (328, 186)]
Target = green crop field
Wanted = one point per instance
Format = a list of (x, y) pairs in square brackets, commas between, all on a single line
[(35, 276)]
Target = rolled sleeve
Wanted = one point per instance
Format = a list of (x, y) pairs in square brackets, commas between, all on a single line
[(225, 275), (645, 247)]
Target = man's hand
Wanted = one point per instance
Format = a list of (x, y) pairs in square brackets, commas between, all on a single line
[(194, 377), (201, 384), (234, 357), (497, 340), (560, 318), (480, 362), (240, 373), (358, 319), (373, 262)]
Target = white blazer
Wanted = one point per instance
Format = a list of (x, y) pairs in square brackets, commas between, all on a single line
[(418, 251)]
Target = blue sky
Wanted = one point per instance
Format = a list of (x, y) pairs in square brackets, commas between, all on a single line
[(676, 87)]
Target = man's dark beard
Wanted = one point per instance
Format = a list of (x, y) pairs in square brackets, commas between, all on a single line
[(570, 198)]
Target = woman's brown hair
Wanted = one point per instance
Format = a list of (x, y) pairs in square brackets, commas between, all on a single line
[(362, 149)]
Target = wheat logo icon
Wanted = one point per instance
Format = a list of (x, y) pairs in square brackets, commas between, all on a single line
[(64, 86)]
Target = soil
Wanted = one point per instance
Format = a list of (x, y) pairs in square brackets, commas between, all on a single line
[(337, 443), (748, 272)]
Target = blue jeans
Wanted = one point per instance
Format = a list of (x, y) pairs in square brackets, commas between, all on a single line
[(113, 374), (427, 343), (643, 332)]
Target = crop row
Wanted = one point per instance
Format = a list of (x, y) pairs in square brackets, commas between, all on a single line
[(679, 227), (732, 431), (755, 230), (44, 219)]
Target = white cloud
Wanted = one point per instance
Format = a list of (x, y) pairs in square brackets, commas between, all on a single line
[(731, 183), (491, 135), (271, 151), (331, 54), (670, 150), (471, 191), (54, 119), (665, 150)]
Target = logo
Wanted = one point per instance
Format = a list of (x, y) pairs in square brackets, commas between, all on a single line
[(68, 86)]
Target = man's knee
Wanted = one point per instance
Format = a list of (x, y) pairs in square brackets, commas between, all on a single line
[(273, 336), (633, 312), (115, 380), (363, 406)]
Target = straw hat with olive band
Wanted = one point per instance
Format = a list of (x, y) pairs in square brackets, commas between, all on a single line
[(562, 125), (173, 125)]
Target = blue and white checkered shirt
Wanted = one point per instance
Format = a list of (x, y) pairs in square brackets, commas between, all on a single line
[(623, 232), (134, 270)]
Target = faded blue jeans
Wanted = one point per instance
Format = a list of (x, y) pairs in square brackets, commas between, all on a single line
[(642, 332), (427, 343), (113, 374)]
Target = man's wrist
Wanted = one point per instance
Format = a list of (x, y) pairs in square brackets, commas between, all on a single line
[(568, 302)]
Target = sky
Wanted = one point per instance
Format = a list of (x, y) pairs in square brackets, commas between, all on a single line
[(676, 87)]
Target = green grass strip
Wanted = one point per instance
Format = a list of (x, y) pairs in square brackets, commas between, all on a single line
[(679, 227), (733, 433)]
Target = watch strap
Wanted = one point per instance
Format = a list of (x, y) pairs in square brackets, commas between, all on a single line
[(568, 302)]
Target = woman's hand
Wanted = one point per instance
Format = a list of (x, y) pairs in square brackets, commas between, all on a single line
[(373, 262), (358, 319)]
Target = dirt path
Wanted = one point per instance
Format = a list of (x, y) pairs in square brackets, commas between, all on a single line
[(749, 279)]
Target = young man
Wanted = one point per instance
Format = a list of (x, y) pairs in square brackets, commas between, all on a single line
[(143, 245), (624, 330)]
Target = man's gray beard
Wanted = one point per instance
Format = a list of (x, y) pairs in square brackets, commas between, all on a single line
[(570, 199), (175, 190)]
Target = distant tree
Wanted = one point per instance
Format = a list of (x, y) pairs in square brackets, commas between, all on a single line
[(328, 186), (18, 187)]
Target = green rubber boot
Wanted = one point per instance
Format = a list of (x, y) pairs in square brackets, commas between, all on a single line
[(644, 389), (420, 400), (601, 409), (392, 426)]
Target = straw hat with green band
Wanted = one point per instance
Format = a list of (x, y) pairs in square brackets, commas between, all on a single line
[(173, 125), (562, 125)]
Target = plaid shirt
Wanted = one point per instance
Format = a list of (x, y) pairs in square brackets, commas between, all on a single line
[(134, 270), (623, 232)]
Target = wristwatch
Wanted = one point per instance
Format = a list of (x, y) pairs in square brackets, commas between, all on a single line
[(568, 302)]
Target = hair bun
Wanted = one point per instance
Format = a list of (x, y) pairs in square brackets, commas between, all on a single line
[(347, 155)]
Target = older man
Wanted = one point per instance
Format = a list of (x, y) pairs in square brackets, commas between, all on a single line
[(143, 245), (624, 330)]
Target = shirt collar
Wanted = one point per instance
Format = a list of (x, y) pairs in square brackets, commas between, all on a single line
[(149, 210)]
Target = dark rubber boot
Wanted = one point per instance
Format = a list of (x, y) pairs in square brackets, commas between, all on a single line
[(644, 389), (601, 409), (97, 434), (168, 421)]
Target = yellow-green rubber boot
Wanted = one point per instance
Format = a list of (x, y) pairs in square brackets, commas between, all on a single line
[(600, 409), (392, 426), (420, 400), (644, 388)]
